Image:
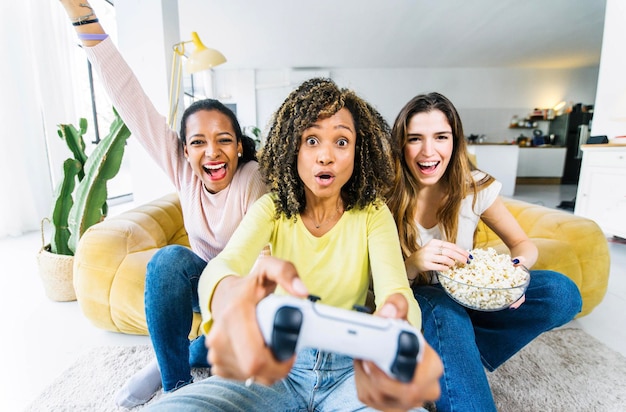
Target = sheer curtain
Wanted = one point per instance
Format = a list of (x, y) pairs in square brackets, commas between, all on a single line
[(36, 74)]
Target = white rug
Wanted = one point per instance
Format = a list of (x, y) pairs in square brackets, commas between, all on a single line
[(562, 370)]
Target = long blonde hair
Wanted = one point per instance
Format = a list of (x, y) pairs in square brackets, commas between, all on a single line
[(457, 181)]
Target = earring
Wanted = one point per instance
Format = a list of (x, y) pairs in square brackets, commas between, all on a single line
[(238, 154)]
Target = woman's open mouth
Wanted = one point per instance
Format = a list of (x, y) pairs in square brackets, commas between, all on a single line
[(427, 167), (215, 172), (324, 179)]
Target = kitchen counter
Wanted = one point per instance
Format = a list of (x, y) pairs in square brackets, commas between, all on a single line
[(541, 161), (544, 146), (491, 144), (500, 161)]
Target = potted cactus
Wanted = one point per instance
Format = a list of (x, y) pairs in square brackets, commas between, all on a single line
[(80, 201)]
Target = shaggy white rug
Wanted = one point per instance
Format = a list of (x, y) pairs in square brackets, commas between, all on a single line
[(562, 370)]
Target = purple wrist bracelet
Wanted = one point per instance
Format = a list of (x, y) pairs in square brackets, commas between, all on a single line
[(90, 36)]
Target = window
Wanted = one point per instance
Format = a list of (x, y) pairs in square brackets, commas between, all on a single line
[(93, 103)]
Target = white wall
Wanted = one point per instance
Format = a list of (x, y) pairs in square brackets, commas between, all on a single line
[(148, 50), (486, 98), (611, 94)]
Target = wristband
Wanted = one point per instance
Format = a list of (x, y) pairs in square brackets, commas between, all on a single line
[(80, 23), (90, 36), (82, 18)]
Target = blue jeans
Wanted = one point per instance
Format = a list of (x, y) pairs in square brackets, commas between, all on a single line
[(171, 297), (469, 341), (318, 381)]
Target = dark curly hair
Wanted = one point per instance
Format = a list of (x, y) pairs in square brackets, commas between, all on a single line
[(320, 98), (249, 147)]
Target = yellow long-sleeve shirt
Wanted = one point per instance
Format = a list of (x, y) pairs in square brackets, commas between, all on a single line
[(335, 266)]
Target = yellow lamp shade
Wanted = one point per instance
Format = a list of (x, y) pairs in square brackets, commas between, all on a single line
[(202, 58)]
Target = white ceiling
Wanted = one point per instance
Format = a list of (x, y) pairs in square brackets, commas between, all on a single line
[(269, 34)]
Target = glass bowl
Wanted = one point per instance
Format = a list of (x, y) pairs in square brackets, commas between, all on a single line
[(487, 292)]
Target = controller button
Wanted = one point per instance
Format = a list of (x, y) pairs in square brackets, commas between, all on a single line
[(403, 367), (313, 298), (287, 324), (362, 309), (408, 344)]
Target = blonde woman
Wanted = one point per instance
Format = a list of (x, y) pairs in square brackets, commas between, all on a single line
[(437, 201)]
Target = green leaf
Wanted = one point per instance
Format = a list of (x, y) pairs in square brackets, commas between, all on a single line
[(61, 208), (91, 193)]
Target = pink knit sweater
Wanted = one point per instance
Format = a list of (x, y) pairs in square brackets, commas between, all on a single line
[(210, 219)]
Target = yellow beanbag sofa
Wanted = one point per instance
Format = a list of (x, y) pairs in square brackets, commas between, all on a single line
[(111, 258)]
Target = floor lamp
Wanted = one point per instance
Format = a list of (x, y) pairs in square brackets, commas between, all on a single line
[(201, 58)]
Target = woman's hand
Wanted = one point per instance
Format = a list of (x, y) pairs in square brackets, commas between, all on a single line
[(378, 390), (435, 255), (519, 261), (237, 349)]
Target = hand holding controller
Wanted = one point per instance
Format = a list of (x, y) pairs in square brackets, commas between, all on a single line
[(289, 324)]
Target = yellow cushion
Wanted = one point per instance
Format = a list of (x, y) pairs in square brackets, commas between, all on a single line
[(110, 263), (569, 244)]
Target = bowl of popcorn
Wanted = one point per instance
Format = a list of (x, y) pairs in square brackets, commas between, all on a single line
[(490, 282)]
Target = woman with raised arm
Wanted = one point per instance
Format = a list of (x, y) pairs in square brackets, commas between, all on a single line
[(213, 167)]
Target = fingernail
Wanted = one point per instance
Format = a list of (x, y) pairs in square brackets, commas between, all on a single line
[(515, 261), (299, 287), (471, 257), (366, 368), (388, 311), (468, 261)]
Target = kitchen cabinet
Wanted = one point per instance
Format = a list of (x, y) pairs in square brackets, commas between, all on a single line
[(601, 194), (500, 161), (545, 161)]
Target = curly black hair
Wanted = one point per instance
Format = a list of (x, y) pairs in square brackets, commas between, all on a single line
[(320, 98), (249, 147)]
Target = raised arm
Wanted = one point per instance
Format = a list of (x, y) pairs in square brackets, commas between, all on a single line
[(85, 21), (146, 124)]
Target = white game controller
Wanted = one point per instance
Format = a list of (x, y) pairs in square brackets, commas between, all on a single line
[(289, 324)]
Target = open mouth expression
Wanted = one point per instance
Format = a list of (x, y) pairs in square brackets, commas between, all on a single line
[(326, 155), (212, 148), (324, 179), (216, 171), (428, 167), (429, 146)]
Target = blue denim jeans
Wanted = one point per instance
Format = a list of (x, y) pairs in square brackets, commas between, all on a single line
[(469, 341), (318, 381), (171, 297)]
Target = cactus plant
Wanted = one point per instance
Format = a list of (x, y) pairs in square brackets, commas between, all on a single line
[(78, 206)]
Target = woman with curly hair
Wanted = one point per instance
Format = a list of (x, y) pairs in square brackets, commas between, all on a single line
[(437, 201), (327, 164)]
